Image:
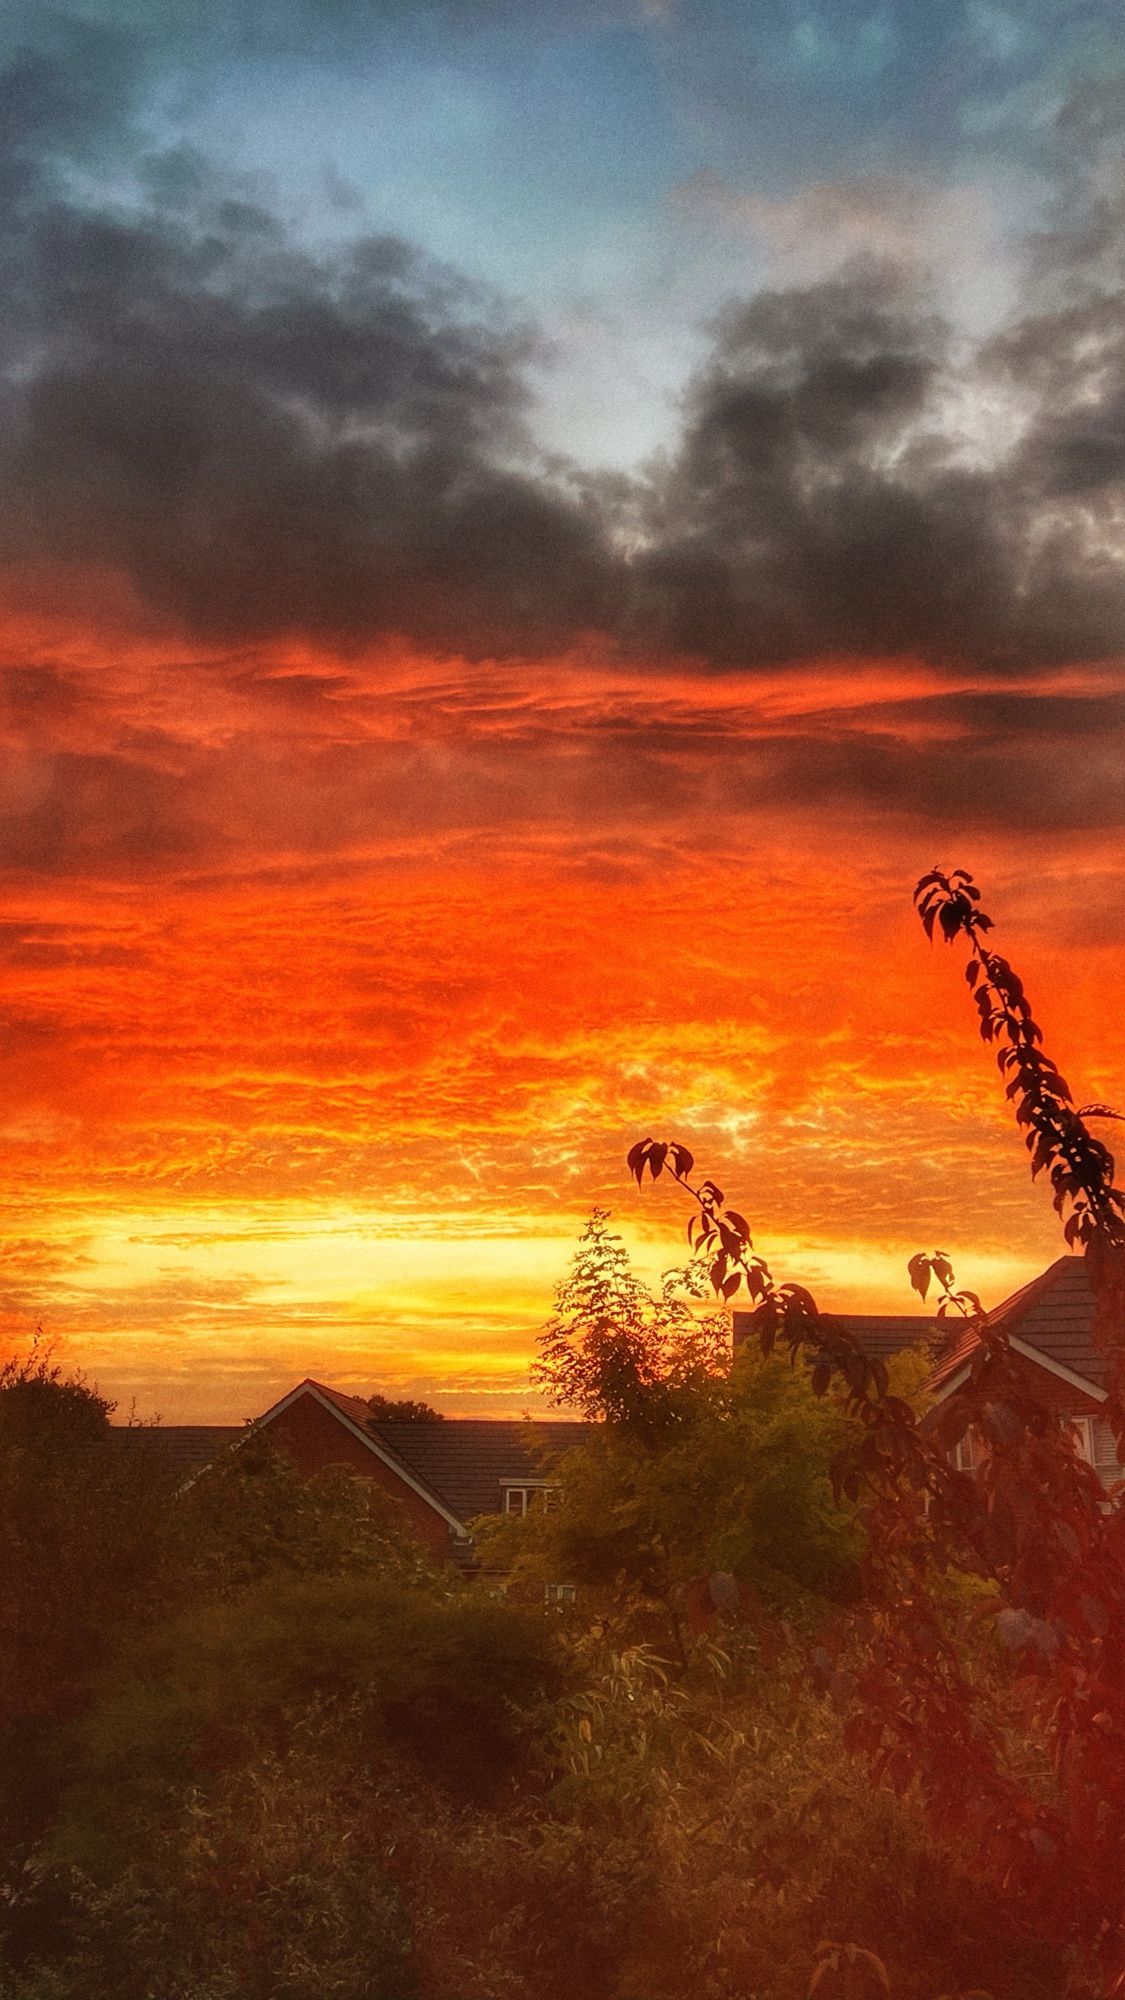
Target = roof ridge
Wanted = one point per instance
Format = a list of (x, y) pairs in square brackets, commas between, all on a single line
[(1010, 1318), (1017, 1303), (341, 1397)]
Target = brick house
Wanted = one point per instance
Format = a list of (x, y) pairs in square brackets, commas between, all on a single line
[(446, 1473), (1050, 1328)]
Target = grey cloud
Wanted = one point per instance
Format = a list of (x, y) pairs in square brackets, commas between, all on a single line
[(265, 441), (822, 500), (807, 510)]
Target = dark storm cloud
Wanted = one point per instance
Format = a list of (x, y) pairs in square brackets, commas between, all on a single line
[(265, 441), (851, 478), (823, 497), (789, 522), (261, 439)]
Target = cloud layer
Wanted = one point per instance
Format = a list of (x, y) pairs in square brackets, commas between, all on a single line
[(267, 439)]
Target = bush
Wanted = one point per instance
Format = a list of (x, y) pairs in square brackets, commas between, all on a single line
[(453, 1683)]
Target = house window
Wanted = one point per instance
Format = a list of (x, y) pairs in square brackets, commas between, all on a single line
[(1098, 1447), (968, 1454), (559, 1593), (532, 1493), (1085, 1431)]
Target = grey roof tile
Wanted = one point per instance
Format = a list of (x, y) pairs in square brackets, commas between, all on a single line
[(183, 1448), (467, 1461), (880, 1335), (1055, 1314)]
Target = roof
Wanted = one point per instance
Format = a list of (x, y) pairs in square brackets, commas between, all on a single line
[(1052, 1317), (880, 1335), (468, 1460), (463, 1462), (355, 1415), (184, 1448), (352, 1406)]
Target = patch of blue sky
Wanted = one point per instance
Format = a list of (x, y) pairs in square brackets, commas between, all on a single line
[(818, 51), (509, 155), (541, 153), (789, 92)]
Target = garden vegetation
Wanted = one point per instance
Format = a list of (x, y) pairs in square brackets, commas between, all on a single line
[(774, 1701)]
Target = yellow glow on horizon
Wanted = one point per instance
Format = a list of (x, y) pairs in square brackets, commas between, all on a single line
[(329, 1082)]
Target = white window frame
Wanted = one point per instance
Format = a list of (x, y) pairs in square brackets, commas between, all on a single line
[(1085, 1429), (968, 1452), (517, 1495)]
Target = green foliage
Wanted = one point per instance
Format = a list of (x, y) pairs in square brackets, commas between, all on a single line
[(253, 1516), (702, 1835), (699, 1469), (271, 1884), (451, 1682), (403, 1410), (610, 1350), (757, 1835), (739, 1487), (83, 1536)]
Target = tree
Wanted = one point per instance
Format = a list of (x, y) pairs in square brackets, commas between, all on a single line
[(252, 1518), (615, 1353), (386, 1410), (82, 1535), (699, 1483), (1033, 1524)]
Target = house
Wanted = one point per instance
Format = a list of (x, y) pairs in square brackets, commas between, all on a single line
[(444, 1471), (1050, 1329), (447, 1472)]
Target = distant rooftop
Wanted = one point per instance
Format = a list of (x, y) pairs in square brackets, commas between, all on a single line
[(465, 1462), (1054, 1314)]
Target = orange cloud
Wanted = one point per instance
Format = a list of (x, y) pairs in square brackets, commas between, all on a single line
[(337, 988)]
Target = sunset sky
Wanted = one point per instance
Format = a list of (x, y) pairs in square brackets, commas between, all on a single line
[(527, 525)]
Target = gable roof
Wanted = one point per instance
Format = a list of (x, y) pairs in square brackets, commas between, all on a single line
[(1050, 1320), (350, 1406), (460, 1465), (184, 1449), (880, 1335), (469, 1460), (355, 1415)]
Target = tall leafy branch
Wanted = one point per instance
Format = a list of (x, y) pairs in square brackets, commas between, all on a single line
[(1032, 1520), (1078, 1165)]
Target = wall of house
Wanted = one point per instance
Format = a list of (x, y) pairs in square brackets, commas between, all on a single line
[(309, 1435), (1052, 1390), (1069, 1401)]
